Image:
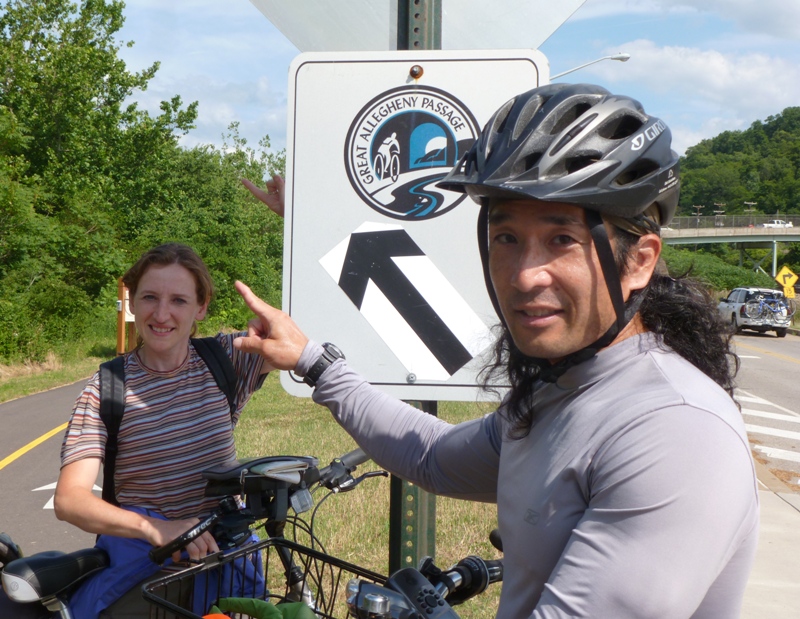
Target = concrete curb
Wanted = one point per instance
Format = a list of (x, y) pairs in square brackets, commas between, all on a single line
[(770, 481)]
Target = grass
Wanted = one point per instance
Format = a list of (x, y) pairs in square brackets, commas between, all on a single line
[(19, 380), (71, 361), (355, 526)]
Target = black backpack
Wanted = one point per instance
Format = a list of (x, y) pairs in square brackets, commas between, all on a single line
[(112, 398)]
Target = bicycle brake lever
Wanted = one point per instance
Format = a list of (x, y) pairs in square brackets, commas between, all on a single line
[(351, 483)]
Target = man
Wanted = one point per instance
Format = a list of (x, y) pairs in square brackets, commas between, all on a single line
[(618, 459)]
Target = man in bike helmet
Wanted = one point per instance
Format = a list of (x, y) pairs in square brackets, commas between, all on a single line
[(618, 459)]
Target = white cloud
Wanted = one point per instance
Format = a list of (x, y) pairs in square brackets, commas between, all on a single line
[(777, 18), (226, 55), (704, 91)]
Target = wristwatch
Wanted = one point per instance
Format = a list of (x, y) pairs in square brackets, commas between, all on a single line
[(330, 353)]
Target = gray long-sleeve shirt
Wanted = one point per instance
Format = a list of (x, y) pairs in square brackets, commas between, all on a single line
[(633, 495)]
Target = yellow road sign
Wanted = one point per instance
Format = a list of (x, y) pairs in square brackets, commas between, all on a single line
[(788, 292), (786, 278)]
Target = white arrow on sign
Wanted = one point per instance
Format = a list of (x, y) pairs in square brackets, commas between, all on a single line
[(414, 309), (49, 504)]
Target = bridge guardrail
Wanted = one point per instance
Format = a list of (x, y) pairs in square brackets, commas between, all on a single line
[(685, 222)]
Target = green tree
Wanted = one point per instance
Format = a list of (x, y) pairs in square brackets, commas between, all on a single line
[(69, 144), (760, 164)]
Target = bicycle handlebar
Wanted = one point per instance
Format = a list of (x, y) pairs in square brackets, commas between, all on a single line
[(336, 476), (337, 471), (427, 592)]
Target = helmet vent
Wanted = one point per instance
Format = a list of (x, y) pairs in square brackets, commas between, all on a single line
[(526, 164), (578, 163), (642, 168), (572, 133), (532, 106), (569, 117), (621, 127)]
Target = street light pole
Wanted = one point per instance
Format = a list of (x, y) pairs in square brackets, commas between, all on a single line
[(750, 210), (622, 57), (697, 208), (719, 213)]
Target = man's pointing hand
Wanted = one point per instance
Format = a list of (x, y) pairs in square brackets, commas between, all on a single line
[(271, 334)]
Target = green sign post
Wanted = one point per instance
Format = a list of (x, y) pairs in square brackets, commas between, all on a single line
[(412, 511)]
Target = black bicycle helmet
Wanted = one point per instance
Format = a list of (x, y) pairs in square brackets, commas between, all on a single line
[(573, 143), (581, 145)]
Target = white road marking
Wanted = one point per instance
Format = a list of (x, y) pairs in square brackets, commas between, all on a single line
[(778, 454), (50, 503), (795, 436), (775, 416), (745, 396)]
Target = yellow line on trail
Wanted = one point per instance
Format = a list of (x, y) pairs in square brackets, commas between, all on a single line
[(23, 450), (764, 351)]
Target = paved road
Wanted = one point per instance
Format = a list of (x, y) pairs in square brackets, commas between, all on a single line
[(769, 392), (24, 510)]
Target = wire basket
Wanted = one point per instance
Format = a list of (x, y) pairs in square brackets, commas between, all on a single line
[(254, 571)]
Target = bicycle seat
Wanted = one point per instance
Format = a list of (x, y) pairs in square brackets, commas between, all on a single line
[(47, 574)]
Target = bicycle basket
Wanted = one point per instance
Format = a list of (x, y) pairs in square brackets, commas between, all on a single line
[(255, 571)]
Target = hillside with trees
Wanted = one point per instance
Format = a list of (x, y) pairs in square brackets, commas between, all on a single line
[(88, 181), (759, 166)]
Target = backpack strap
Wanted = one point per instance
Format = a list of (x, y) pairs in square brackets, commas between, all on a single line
[(220, 366), (112, 406)]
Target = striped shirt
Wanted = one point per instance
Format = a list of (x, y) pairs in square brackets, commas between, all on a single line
[(176, 424)]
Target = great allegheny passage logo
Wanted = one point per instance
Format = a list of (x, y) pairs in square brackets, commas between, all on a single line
[(401, 144)]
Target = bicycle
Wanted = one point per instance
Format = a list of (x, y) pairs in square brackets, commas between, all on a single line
[(267, 487), (308, 574), (766, 307)]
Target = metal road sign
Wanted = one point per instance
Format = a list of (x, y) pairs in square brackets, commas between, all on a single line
[(377, 259), (786, 277)]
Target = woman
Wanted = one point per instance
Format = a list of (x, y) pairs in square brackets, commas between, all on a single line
[(177, 422)]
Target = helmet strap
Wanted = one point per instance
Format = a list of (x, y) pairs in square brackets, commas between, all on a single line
[(483, 247), (610, 272), (624, 313)]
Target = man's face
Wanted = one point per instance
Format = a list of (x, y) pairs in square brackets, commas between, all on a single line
[(547, 277)]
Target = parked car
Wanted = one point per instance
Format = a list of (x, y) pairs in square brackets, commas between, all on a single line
[(778, 223), (758, 309)]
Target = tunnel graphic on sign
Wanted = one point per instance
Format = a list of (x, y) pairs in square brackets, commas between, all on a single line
[(414, 309)]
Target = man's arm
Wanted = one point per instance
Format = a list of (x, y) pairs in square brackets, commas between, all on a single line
[(396, 435)]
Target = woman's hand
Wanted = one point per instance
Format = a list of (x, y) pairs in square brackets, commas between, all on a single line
[(162, 532), (271, 334), (273, 197)]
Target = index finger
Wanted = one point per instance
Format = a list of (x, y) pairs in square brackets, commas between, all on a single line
[(260, 308)]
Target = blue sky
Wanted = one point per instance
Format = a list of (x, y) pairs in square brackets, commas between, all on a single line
[(704, 66)]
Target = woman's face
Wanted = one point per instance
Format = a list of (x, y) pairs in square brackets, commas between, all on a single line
[(165, 308)]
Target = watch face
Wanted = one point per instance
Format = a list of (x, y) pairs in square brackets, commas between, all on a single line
[(333, 351)]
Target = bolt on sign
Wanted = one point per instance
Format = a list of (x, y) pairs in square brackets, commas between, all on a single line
[(377, 258)]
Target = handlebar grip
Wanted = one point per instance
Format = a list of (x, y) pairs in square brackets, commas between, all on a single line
[(354, 458), (162, 553), (339, 466)]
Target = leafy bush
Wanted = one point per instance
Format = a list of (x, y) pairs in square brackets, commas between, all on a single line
[(716, 273)]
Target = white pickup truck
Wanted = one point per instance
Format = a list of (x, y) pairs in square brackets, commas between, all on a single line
[(778, 223)]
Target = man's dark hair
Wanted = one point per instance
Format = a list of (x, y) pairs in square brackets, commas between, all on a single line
[(680, 310)]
